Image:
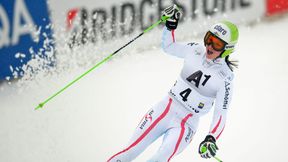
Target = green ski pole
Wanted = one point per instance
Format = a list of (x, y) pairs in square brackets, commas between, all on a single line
[(216, 158), (163, 19), (204, 149)]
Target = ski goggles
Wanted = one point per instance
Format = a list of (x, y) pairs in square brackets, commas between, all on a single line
[(217, 43)]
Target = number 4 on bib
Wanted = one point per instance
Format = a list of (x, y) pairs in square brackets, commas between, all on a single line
[(184, 94)]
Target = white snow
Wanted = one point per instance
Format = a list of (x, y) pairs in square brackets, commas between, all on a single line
[(95, 118)]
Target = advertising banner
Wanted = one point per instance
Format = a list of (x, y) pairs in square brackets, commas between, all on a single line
[(24, 31), (276, 7), (26, 25), (86, 21)]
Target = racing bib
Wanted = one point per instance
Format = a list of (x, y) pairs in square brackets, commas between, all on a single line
[(190, 98)]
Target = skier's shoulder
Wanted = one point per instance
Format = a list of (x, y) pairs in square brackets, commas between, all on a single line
[(226, 73), (196, 48), (195, 45)]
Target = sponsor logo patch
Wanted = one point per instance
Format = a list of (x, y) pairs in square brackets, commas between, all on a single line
[(201, 105), (220, 29)]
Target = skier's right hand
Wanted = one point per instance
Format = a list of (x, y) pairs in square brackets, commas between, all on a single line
[(171, 16)]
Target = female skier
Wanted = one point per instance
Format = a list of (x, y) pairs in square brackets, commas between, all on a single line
[(206, 78)]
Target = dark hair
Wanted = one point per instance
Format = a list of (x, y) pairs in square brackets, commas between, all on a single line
[(231, 64)]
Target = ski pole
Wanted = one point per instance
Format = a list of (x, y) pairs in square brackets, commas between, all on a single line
[(163, 19), (217, 159), (204, 149)]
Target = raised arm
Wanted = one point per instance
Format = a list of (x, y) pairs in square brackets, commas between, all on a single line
[(170, 46)]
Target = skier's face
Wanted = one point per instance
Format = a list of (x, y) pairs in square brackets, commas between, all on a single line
[(214, 45), (211, 53)]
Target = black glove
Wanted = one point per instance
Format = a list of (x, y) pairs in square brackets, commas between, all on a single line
[(171, 15), (208, 147)]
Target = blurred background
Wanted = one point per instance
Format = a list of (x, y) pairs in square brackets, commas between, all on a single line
[(45, 44)]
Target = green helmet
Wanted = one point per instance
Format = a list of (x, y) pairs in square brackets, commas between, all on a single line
[(228, 32)]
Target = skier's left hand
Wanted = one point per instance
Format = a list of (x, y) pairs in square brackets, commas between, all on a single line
[(208, 147)]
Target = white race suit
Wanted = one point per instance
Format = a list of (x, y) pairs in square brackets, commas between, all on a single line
[(201, 84)]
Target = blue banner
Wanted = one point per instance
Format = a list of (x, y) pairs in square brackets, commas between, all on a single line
[(24, 30)]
